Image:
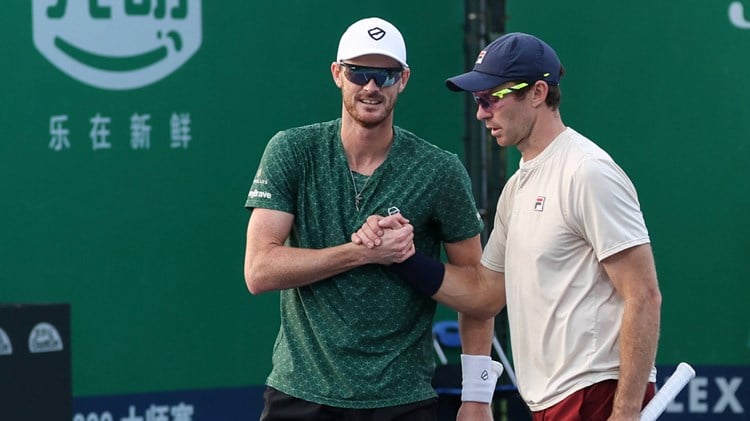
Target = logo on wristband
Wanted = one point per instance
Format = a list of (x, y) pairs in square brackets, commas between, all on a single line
[(485, 375)]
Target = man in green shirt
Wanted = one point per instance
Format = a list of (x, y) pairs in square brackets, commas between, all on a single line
[(355, 341)]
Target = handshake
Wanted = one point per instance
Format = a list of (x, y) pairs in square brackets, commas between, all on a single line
[(388, 239)]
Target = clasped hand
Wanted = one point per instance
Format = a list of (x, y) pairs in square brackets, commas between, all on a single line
[(389, 239)]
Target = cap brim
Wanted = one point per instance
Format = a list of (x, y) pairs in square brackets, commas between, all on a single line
[(378, 51), (474, 81)]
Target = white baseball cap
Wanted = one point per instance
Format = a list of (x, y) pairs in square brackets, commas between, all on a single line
[(372, 36)]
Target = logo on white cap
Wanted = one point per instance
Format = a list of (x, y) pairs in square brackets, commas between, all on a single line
[(372, 36), (376, 33)]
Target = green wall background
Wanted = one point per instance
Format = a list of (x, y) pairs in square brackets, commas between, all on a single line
[(147, 246)]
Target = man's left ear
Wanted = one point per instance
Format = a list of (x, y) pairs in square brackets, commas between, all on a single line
[(541, 90), (404, 80)]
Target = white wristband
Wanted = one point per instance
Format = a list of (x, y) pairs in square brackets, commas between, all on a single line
[(480, 375)]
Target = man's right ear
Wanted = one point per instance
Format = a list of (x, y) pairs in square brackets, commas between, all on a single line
[(336, 74)]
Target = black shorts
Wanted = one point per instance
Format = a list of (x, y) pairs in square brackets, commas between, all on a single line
[(279, 406)]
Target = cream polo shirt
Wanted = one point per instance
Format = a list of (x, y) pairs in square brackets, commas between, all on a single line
[(558, 216)]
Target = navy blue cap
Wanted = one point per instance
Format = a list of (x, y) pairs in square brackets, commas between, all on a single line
[(513, 57)]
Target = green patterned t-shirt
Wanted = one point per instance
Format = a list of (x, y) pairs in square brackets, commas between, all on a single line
[(360, 339)]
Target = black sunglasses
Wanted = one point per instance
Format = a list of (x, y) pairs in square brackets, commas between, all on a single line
[(383, 76)]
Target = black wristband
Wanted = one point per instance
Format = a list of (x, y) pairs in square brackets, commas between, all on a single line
[(421, 272)]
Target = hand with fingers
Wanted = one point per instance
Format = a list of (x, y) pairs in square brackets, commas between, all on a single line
[(372, 231), (385, 234), (390, 238)]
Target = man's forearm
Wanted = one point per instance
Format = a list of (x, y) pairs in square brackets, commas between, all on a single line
[(476, 334), (639, 336), (468, 290), (283, 267)]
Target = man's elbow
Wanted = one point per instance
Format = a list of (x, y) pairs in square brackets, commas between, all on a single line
[(647, 301), (251, 284), (654, 298), (491, 309), (491, 300), (485, 306), (474, 295), (254, 280)]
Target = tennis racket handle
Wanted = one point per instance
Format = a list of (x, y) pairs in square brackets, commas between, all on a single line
[(681, 376)]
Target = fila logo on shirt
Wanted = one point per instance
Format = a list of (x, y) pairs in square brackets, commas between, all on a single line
[(539, 204)]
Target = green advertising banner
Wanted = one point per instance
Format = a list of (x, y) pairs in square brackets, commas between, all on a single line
[(132, 130), (131, 133)]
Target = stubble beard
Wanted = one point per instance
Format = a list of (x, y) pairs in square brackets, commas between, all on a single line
[(373, 120)]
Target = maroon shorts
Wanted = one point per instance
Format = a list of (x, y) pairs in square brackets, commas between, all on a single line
[(593, 403)]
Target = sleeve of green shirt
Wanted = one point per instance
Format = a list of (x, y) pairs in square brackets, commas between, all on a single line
[(277, 179)]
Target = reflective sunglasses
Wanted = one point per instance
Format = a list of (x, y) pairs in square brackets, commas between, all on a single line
[(488, 101), (383, 76)]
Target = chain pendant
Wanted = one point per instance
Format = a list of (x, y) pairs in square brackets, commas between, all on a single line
[(358, 192)]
